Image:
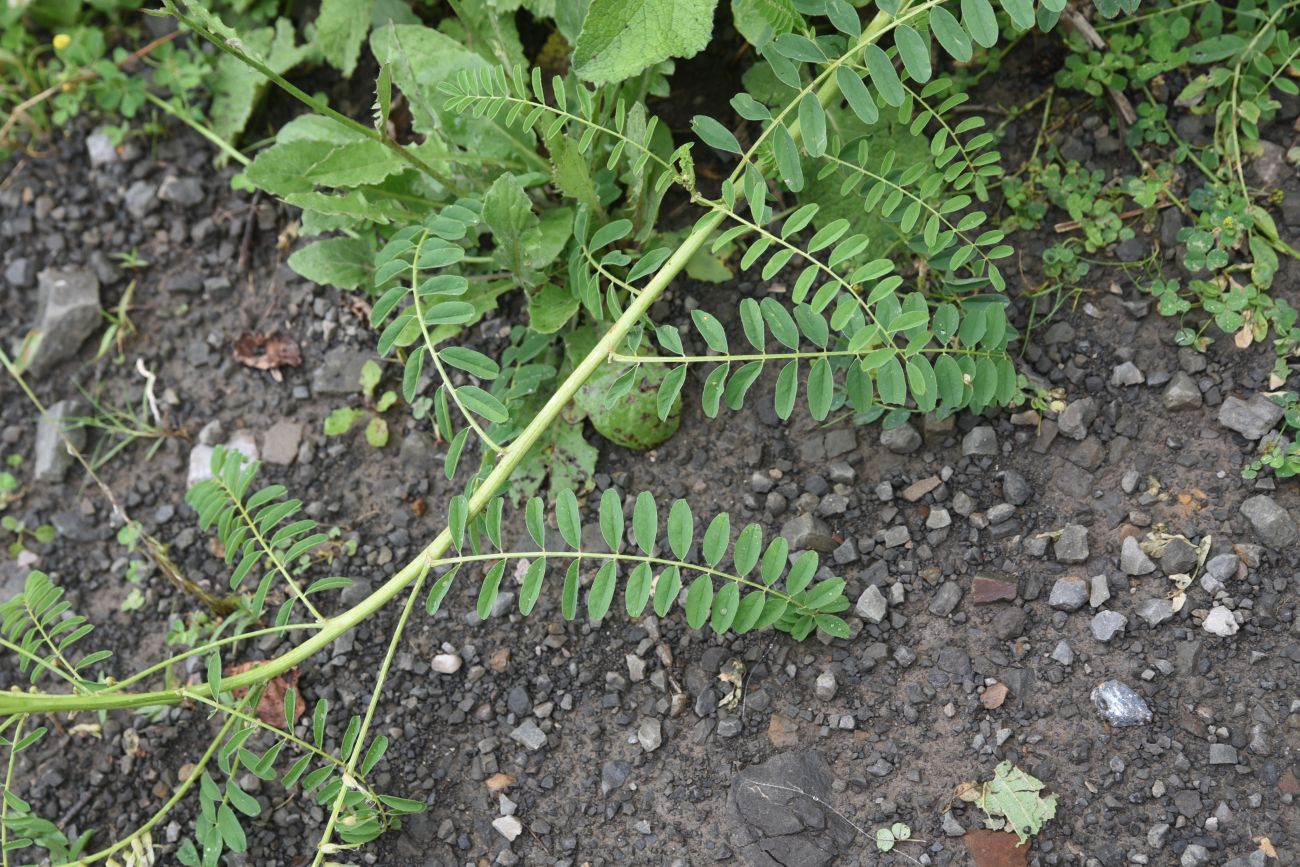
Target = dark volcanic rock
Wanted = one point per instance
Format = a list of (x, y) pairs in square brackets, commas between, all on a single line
[(774, 822)]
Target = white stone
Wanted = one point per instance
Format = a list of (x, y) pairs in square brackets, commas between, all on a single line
[(508, 827), (1220, 622), (446, 663)]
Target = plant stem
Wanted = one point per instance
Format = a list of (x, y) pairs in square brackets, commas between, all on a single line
[(224, 146)]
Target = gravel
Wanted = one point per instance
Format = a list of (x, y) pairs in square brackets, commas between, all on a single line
[(872, 605), (1072, 545), (1133, 560), (1220, 622), (1251, 418), (981, 440), (67, 307), (1119, 705), (902, 440), (1069, 594), (1273, 524), (1181, 393), (1106, 625)]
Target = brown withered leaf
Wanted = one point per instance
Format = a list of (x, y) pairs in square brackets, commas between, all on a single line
[(270, 707), (995, 849), (267, 351), (993, 697)]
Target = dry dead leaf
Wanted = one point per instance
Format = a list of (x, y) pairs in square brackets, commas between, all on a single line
[(993, 697), (1266, 846), (267, 352), (498, 783), (270, 707), (995, 849)]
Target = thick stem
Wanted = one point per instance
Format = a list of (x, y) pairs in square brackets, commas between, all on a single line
[(11, 702)]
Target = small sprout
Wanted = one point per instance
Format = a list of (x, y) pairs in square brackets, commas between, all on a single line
[(887, 838)]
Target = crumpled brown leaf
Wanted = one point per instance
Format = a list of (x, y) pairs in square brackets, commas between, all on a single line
[(267, 351), (270, 707)]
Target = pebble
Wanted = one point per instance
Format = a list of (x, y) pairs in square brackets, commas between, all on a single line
[(981, 440), (1223, 754), (1015, 488), (1074, 420), (508, 827), (1222, 567), (280, 444), (872, 605), (613, 775), (990, 587), (809, 533), (1273, 524), (529, 736), (1126, 374), (1220, 622), (1155, 611), (1251, 418), (1133, 560), (902, 440), (650, 734), (1119, 705), (945, 599), (51, 458), (1106, 625), (1099, 591), (1068, 594), (1072, 545), (67, 305), (826, 685), (1181, 393), (1063, 653), (446, 663)]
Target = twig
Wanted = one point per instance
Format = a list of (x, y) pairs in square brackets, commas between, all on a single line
[(1072, 225)]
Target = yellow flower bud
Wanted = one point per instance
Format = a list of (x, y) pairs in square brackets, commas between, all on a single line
[(61, 41)]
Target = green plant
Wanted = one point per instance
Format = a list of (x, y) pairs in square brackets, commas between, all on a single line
[(341, 420), (1281, 452), (546, 193)]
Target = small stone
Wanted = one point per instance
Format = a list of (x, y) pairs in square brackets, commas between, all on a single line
[(1195, 855), (508, 827), (920, 488), (1223, 754), (1155, 611), (809, 533), (1063, 653), (729, 727), (1223, 567), (951, 827), (1074, 420), (446, 663), (67, 307), (1181, 393), (51, 458), (1106, 625), (990, 587), (280, 445), (825, 687), (186, 192), (529, 736), (1072, 545), (1015, 488), (100, 148), (140, 199), (635, 667), (938, 519), (872, 605), (1220, 622), (1126, 374), (339, 372), (1009, 622), (1178, 558), (1000, 514), (980, 441), (1068, 594), (1133, 560), (902, 440), (1098, 591), (650, 734), (1273, 524), (1119, 705), (945, 599), (613, 775), (1251, 418)]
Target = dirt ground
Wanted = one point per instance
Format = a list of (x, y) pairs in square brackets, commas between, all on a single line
[(643, 762)]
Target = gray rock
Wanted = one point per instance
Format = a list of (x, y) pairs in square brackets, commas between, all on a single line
[(774, 822), (825, 686), (1273, 524), (945, 599), (51, 458), (1133, 560), (67, 313), (1074, 420), (1072, 545), (1155, 611), (1251, 418), (529, 736), (1220, 622), (1068, 594), (1119, 705), (1194, 855), (872, 605), (1106, 625), (1181, 393), (902, 440), (729, 727), (1098, 591), (613, 775), (446, 663), (100, 148), (1015, 488), (1126, 374), (1063, 653), (508, 827), (186, 192), (981, 440), (1269, 164), (809, 533), (340, 372), (18, 273), (650, 734), (1178, 558), (140, 199), (280, 445), (951, 827), (1223, 754), (1222, 567)]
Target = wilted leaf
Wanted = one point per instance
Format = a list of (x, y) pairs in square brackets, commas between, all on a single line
[(1013, 795), (270, 707), (267, 351)]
